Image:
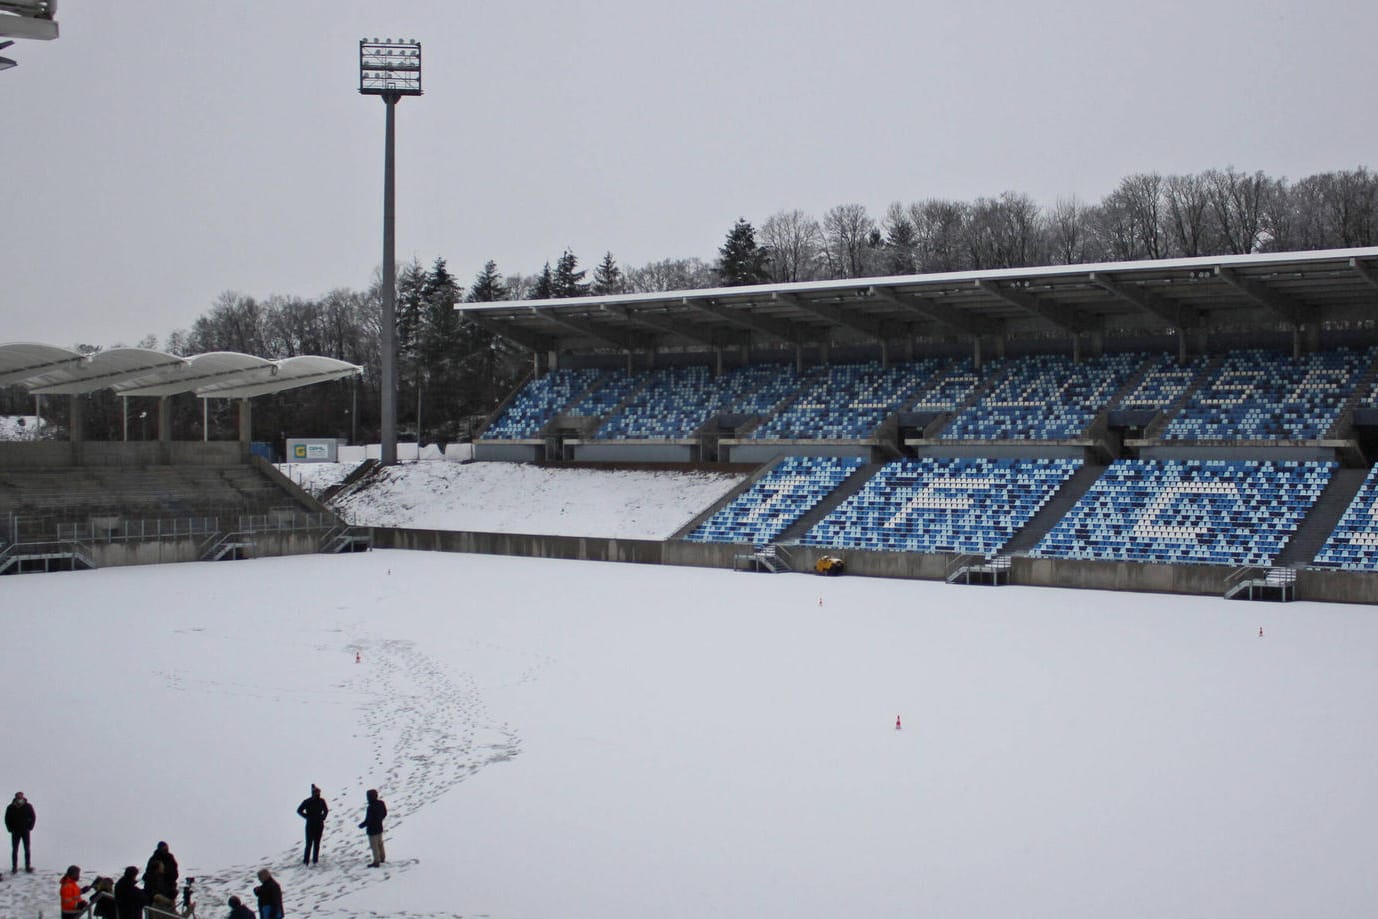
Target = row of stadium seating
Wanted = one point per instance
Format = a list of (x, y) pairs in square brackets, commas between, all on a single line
[(777, 499), (1244, 395), (943, 505), (1263, 395), (1218, 512), (1221, 512)]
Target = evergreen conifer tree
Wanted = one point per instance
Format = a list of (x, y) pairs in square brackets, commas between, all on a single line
[(544, 288), (488, 285), (607, 277), (741, 261), (569, 278)]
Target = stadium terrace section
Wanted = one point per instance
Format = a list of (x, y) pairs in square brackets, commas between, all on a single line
[(1136, 456)]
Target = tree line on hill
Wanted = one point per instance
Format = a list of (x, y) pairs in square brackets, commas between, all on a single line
[(452, 373)]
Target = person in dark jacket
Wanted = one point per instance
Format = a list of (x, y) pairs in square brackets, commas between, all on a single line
[(373, 826), (103, 905), (19, 820), (129, 899), (238, 910), (269, 894), (160, 876), (313, 810)]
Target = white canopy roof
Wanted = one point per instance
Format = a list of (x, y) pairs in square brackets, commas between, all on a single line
[(50, 370)]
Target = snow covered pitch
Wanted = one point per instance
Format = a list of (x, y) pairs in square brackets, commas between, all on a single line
[(565, 739)]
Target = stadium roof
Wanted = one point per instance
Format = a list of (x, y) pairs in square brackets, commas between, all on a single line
[(50, 370), (1275, 290)]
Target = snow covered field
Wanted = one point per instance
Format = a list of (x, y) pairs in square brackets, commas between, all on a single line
[(519, 498), (565, 739)]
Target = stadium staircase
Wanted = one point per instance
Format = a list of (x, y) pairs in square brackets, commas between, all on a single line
[(850, 486), (355, 481), (1278, 585), (1208, 372), (1323, 518), (1056, 508)]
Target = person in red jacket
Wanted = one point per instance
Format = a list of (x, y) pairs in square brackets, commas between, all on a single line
[(70, 891)]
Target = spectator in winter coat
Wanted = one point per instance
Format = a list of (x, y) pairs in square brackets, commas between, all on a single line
[(69, 891), (238, 910), (162, 880), (103, 905), (314, 810), (269, 895), (129, 899), (373, 826), (19, 820)]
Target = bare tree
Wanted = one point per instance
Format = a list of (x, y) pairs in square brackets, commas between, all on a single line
[(849, 234), (1237, 203), (795, 241), (940, 228), (671, 274), (1004, 232), (1071, 240)]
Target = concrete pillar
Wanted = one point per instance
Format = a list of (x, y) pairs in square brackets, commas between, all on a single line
[(798, 357), (718, 354), (74, 419), (164, 419), (1076, 348), (246, 421)]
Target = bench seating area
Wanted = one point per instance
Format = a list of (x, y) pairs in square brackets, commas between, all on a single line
[(1220, 512), (1265, 395), (1044, 397), (971, 506), (1353, 545), (776, 500)]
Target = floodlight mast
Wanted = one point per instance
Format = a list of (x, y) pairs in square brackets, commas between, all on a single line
[(391, 69)]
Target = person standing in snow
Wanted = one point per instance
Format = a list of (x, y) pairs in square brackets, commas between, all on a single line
[(373, 826), (269, 894), (19, 820), (69, 891), (160, 875), (129, 898), (313, 810)]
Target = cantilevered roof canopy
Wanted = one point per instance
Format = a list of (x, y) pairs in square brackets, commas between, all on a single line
[(1277, 290), (49, 370)]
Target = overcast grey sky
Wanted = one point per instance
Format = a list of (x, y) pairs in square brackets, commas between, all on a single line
[(159, 153)]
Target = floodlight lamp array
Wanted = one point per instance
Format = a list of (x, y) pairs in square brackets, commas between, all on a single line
[(389, 67)]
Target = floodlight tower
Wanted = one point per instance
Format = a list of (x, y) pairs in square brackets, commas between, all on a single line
[(391, 69)]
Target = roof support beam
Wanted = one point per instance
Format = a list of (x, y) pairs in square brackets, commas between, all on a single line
[(941, 313), (531, 341), (826, 311), (696, 333), (614, 337), (1179, 314), (1065, 318), (775, 328), (1283, 306), (1366, 271)]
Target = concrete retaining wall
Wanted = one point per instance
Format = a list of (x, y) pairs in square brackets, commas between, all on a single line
[(50, 453), (583, 548)]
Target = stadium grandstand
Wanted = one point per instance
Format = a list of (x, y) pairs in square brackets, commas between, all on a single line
[(73, 504), (1203, 425)]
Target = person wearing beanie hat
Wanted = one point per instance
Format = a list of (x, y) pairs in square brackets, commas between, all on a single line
[(238, 910), (19, 820), (129, 896), (314, 811)]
